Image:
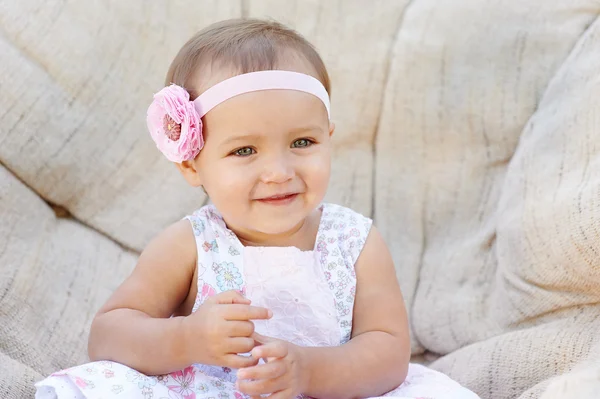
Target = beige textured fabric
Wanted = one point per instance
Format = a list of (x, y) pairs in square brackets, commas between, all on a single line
[(16, 379), (96, 67), (81, 77), (458, 97), (499, 247), (520, 364), (467, 128), (581, 383), (54, 275)]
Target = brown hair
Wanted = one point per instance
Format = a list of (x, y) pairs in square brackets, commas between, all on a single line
[(249, 45)]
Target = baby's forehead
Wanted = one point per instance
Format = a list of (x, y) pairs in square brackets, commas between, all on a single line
[(266, 115)]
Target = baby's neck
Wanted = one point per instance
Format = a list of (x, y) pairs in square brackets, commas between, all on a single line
[(302, 236)]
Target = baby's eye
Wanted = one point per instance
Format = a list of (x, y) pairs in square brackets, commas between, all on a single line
[(301, 143), (244, 152)]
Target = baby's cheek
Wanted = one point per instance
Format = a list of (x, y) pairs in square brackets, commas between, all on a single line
[(317, 175), (229, 187), (232, 178)]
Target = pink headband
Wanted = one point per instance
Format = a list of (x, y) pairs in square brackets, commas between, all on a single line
[(175, 122)]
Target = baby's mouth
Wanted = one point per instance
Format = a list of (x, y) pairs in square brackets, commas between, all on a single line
[(279, 199)]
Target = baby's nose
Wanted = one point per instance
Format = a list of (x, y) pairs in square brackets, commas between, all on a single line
[(277, 170)]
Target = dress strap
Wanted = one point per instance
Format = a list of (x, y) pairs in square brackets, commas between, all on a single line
[(341, 238), (220, 263)]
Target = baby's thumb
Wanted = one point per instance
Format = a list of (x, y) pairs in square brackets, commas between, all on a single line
[(229, 297), (260, 339)]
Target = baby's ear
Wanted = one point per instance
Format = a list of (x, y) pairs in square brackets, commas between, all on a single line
[(331, 128), (189, 170)]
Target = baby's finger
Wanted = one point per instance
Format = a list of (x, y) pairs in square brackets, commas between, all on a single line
[(262, 387), (240, 345), (228, 297), (239, 362), (263, 371), (285, 394), (273, 349), (262, 339), (245, 312), (240, 328)]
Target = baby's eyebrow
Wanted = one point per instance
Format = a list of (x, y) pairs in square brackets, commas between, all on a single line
[(254, 137), (240, 137), (304, 129)]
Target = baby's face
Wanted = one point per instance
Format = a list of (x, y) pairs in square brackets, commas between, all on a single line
[(266, 159)]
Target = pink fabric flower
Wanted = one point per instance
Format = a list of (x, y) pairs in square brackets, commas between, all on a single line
[(175, 125), (183, 383), (206, 291), (80, 382)]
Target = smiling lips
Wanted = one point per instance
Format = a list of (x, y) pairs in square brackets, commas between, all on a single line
[(279, 199)]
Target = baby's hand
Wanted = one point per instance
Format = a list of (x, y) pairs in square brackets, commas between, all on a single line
[(221, 329), (283, 376)]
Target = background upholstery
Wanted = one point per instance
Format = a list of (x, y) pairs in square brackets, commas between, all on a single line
[(467, 129)]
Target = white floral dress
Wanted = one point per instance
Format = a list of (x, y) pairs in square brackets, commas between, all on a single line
[(311, 294)]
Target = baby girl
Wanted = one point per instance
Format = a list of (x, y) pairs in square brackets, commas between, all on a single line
[(268, 290)]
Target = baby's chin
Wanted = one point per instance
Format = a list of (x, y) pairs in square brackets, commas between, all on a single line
[(270, 228), (279, 226)]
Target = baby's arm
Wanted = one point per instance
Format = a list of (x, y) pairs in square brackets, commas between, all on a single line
[(134, 327), (376, 359)]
